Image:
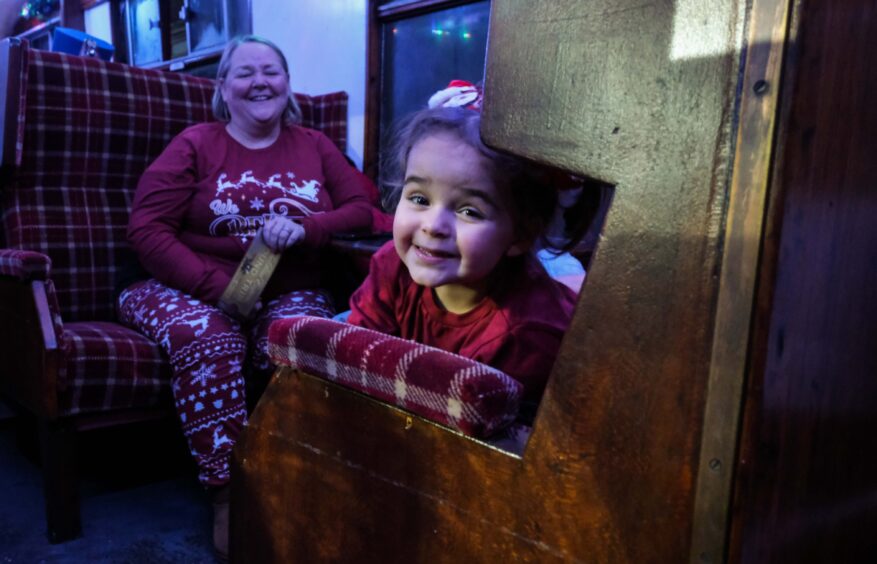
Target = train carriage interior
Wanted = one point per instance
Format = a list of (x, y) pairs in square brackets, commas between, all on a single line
[(656, 343)]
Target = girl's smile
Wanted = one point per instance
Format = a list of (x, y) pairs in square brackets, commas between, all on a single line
[(433, 255)]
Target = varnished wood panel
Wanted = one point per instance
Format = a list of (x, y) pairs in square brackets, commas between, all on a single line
[(10, 86), (641, 96), (767, 29), (27, 329), (807, 488), (324, 474), (373, 92)]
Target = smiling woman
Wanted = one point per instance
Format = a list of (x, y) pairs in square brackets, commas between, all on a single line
[(198, 208), (254, 87)]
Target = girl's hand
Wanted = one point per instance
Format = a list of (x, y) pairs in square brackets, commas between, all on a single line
[(280, 233)]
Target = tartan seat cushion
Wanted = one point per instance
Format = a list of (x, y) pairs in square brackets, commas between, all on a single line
[(459, 392), (326, 112), (108, 366)]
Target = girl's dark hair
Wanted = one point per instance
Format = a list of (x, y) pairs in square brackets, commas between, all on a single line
[(532, 194)]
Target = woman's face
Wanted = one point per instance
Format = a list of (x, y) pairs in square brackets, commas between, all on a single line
[(256, 88)]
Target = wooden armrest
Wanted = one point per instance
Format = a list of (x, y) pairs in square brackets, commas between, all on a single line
[(29, 344), (359, 244), (354, 252)]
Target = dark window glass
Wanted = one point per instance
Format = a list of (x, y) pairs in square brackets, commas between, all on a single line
[(422, 54), (145, 32), (179, 33), (207, 24)]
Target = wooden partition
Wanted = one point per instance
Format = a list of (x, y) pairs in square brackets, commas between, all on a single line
[(806, 480), (686, 109)]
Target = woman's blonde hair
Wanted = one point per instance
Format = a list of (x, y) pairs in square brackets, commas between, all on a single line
[(291, 115)]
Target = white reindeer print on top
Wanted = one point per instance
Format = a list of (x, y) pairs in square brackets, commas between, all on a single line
[(281, 194)]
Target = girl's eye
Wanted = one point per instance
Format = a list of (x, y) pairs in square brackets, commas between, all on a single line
[(418, 200), (471, 213)]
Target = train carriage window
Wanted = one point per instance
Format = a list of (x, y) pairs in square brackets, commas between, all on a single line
[(184, 35), (415, 48), (421, 53)]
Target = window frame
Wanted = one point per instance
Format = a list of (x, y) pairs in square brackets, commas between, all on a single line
[(379, 15), (119, 23)]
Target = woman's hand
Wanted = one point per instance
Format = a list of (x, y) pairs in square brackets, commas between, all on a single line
[(280, 233)]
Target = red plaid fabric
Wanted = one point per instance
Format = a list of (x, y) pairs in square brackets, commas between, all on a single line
[(24, 265), (109, 366), (90, 128), (447, 388), (328, 113), (86, 131)]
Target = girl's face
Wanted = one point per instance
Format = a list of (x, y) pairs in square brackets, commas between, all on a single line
[(256, 88), (452, 226)]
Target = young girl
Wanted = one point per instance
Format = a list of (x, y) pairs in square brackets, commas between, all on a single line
[(459, 274)]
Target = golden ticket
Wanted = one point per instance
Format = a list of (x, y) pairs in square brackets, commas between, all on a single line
[(249, 280)]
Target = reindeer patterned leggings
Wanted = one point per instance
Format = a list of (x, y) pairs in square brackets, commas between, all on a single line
[(207, 351)]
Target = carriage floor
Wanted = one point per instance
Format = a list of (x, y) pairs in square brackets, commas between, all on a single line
[(140, 499)]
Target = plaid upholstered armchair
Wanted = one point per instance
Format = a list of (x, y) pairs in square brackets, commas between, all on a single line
[(76, 135)]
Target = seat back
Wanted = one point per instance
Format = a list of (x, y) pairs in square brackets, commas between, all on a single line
[(86, 131), (83, 131)]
